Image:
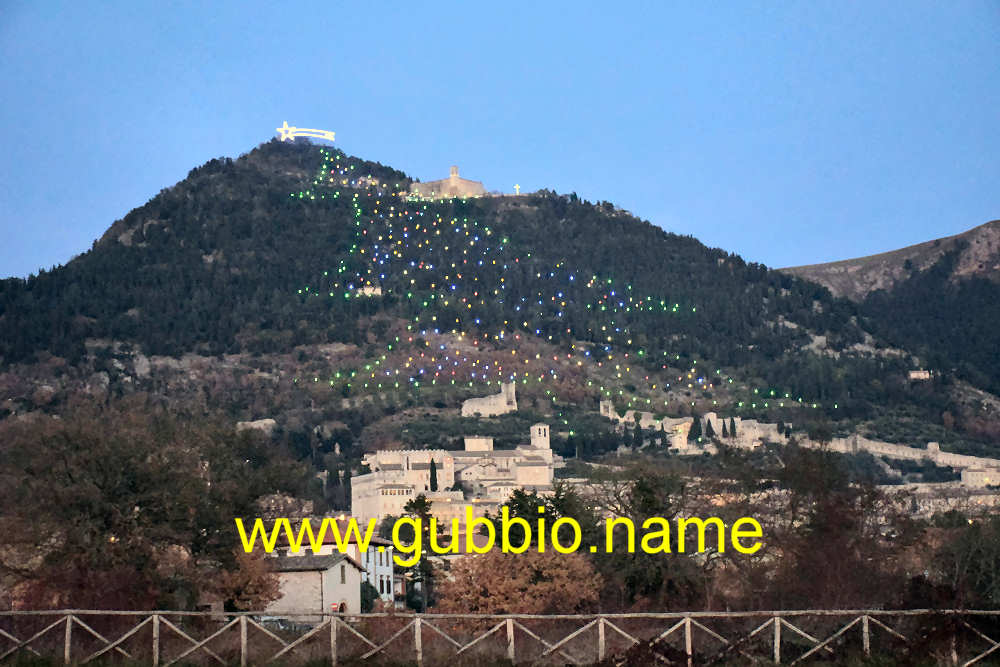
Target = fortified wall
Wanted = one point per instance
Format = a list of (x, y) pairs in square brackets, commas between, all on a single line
[(976, 471), (749, 432), (856, 443)]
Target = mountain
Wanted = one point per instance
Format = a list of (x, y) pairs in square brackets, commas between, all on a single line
[(302, 284), (939, 299), (978, 255)]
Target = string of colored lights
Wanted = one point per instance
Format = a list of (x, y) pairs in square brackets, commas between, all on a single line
[(453, 271)]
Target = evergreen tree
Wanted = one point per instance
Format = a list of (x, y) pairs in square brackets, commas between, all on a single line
[(732, 427), (334, 490), (434, 476), (725, 431), (781, 428), (709, 431), (695, 432), (420, 508)]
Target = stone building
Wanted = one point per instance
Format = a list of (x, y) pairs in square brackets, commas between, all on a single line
[(479, 475), (453, 186), (749, 433), (491, 406), (981, 477), (317, 584), (376, 560)]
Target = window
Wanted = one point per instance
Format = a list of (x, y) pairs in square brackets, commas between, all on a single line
[(343, 574), (381, 586)]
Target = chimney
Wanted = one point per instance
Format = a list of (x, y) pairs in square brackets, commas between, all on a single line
[(454, 171)]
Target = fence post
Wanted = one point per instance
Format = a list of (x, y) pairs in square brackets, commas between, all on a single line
[(687, 641), (333, 641), (68, 639), (777, 640), (418, 642), (243, 641), (510, 640), (156, 640), (865, 637), (600, 640)]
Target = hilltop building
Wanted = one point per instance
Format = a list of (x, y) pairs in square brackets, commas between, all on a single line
[(491, 406), (479, 475), (453, 186)]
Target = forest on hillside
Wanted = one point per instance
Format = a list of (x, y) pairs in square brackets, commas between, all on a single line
[(295, 245), (954, 324)]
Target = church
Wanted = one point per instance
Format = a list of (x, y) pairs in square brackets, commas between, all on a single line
[(453, 186), (478, 475)]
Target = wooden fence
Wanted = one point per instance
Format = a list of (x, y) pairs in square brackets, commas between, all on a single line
[(163, 638)]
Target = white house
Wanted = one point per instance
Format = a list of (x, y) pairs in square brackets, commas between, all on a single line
[(317, 584), (376, 560)]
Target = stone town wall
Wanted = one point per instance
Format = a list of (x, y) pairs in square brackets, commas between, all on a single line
[(751, 433)]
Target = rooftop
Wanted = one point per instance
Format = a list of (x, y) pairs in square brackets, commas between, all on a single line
[(311, 563)]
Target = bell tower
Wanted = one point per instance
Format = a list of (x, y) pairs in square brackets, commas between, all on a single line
[(540, 436)]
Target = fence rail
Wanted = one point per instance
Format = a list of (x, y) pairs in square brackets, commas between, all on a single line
[(164, 638)]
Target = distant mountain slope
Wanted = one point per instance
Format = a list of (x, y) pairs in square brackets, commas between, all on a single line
[(301, 283), (939, 299), (279, 246), (856, 278), (946, 314)]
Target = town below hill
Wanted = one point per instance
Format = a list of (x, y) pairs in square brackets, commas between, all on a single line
[(303, 331)]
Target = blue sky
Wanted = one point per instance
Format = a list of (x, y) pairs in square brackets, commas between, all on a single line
[(790, 133)]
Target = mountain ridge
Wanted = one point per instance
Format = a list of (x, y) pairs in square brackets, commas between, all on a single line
[(248, 271), (857, 277)]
